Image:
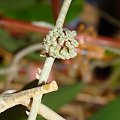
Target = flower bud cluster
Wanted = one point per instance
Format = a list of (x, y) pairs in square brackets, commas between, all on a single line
[(60, 43)]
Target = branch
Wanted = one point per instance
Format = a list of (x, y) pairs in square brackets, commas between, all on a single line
[(19, 56), (46, 112), (8, 100), (12, 70), (49, 62)]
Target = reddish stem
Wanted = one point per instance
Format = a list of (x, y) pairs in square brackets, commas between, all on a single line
[(56, 5), (20, 27), (100, 40)]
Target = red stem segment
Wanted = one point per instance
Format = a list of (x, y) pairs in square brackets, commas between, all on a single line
[(20, 27), (56, 5)]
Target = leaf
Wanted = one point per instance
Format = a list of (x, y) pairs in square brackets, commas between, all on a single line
[(7, 42), (15, 4), (33, 13), (109, 112), (64, 95), (2, 78), (75, 9), (35, 56)]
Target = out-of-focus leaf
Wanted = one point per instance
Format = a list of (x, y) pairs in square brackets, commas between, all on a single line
[(15, 4), (109, 112), (35, 56), (7, 42), (2, 78), (64, 95), (33, 13), (115, 76), (75, 9)]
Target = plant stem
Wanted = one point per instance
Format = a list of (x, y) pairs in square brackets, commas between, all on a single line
[(49, 62), (63, 12), (43, 78)]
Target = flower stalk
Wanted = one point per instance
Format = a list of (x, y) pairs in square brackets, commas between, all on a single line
[(64, 52)]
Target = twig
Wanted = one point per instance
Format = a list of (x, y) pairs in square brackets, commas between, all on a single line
[(20, 27), (73, 110), (88, 98), (49, 62), (19, 56), (45, 112), (56, 4), (48, 114), (8, 100), (12, 70)]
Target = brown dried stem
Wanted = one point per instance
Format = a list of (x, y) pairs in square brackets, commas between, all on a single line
[(8, 100)]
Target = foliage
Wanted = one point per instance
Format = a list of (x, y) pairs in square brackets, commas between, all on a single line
[(109, 112), (9, 43), (32, 10)]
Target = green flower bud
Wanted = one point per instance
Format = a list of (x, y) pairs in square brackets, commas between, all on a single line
[(60, 43)]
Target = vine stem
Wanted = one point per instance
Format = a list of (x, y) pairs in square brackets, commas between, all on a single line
[(48, 62)]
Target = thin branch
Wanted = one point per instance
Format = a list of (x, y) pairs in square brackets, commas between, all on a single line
[(82, 97), (8, 100), (56, 4), (45, 112), (20, 27), (12, 70), (19, 56), (49, 62), (63, 13), (73, 110)]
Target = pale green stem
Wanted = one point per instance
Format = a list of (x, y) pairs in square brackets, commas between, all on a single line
[(43, 78), (63, 12), (46, 69), (48, 63)]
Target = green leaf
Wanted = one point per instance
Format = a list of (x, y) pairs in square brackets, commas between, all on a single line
[(33, 13), (15, 4), (40, 118), (2, 78), (109, 112), (64, 95), (7, 42), (35, 56), (75, 9)]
